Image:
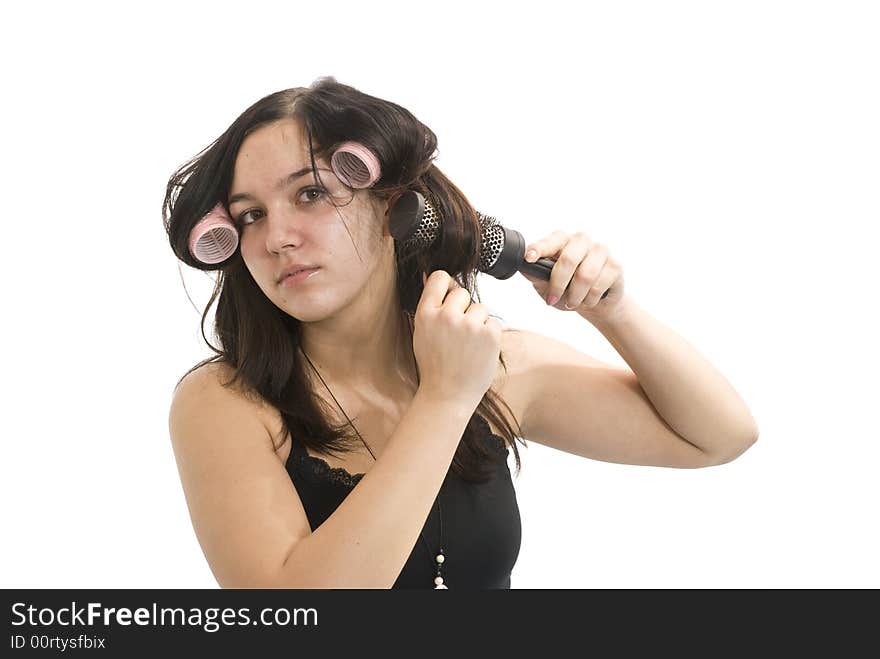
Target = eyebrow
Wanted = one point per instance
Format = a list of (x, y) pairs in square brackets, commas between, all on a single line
[(283, 182)]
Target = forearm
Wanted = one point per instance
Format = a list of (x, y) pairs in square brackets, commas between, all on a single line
[(685, 389), (366, 542)]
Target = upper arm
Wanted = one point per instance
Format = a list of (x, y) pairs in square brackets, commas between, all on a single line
[(575, 403), (244, 508)]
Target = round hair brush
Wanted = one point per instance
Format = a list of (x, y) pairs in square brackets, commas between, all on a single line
[(415, 223)]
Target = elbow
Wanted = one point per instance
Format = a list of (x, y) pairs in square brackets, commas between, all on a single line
[(247, 583), (249, 579), (734, 449)]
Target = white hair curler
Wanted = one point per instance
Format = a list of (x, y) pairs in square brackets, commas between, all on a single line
[(215, 237), (355, 165)]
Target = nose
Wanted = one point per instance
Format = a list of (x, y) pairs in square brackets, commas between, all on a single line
[(285, 227)]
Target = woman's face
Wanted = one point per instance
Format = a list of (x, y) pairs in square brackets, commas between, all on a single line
[(285, 222)]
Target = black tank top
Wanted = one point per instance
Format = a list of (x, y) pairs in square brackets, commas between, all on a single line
[(481, 521)]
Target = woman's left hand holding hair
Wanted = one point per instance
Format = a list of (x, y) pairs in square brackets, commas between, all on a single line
[(583, 271)]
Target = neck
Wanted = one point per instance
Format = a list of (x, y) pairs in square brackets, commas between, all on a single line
[(365, 345)]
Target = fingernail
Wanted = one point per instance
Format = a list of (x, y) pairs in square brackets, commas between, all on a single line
[(553, 299), (531, 254)]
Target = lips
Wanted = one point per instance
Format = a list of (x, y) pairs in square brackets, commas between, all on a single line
[(296, 272), (296, 277), (293, 268)]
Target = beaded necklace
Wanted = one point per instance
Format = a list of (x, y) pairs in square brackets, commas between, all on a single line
[(440, 557)]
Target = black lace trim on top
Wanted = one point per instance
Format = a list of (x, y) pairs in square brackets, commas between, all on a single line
[(323, 471)]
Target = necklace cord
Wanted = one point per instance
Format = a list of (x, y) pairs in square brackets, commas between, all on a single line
[(439, 510)]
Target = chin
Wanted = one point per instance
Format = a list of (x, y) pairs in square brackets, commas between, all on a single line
[(304, 311), (309, 317)]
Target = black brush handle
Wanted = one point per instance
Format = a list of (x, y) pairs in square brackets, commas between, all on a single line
[(413, 219), (541, 270)]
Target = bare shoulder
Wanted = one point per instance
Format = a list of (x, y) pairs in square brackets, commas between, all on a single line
[(527, 355), (211, 385), (245, 511), (529, 349), (213, 378), (510, 383)]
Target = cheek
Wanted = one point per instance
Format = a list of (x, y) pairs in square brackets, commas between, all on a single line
[(245, 244), (253, 261)]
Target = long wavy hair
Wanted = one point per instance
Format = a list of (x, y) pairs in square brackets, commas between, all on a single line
[(258, 340)]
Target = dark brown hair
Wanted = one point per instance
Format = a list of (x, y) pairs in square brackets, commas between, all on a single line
[(258, 340)]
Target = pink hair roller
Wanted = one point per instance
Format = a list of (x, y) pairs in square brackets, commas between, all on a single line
[(214, 238), (355, 165)]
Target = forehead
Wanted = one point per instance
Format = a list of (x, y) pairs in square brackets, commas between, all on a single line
[(287, 132), (281, 141), (270, 153)]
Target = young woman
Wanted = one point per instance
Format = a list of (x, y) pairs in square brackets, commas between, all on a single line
[(353, 429)]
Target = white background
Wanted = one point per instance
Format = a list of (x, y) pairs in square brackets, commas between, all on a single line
[(725, 152)]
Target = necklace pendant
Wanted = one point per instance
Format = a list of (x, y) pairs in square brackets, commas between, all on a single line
[(438, 580)]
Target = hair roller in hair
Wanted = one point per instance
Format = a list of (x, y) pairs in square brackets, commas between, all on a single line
[(355, 165), (214, 238)]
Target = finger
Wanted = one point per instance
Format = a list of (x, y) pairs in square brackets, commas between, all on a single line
[(478, 313), (573, 253), (457, 300), (585, 276), (546, 247), (436, 286), (496, 327), (606, 279)]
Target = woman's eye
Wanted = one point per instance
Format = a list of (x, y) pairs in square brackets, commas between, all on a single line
[(319, 190), (244, 215), (310, 196)]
